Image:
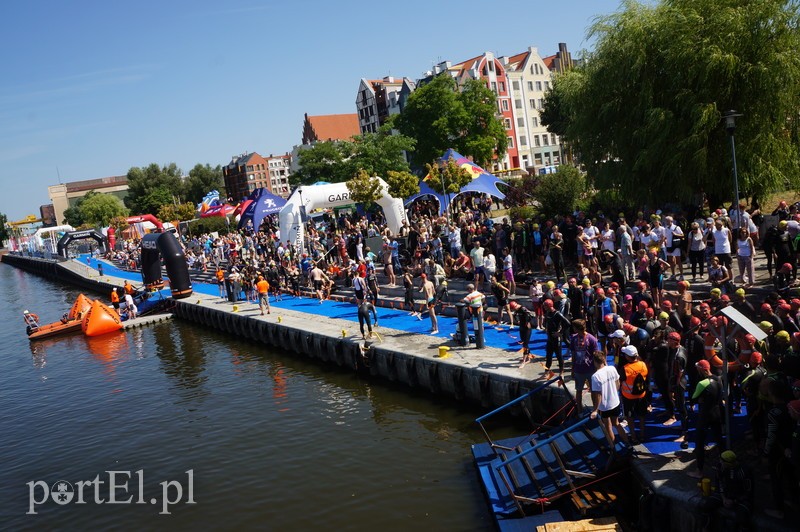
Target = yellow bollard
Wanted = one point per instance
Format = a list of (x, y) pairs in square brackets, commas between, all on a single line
[(198, 301), (344, 333), (444, 351), (236, 308), (280, 319)]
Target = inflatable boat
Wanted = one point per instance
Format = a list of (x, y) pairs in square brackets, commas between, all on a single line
[(69, 323)]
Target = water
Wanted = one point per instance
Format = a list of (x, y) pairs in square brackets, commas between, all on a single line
[(273, 441)]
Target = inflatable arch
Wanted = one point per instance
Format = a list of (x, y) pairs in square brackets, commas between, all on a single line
[(331, 195), (155, 246), (69, 236), (47, 237)]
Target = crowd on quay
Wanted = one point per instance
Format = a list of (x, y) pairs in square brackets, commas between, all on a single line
[(598, 286)]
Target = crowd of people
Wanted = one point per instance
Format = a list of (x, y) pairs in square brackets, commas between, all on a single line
[(598, 287)]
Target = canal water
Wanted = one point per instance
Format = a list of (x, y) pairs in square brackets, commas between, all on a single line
[(243, 436)]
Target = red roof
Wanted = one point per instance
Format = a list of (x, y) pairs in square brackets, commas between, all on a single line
[(335, 127), (548, 61), (516, 60)]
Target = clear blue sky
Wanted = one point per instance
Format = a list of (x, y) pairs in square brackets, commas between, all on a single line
[(92, 88)]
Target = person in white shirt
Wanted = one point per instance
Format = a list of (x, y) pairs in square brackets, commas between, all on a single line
[(722, 243), (605, 398), (131, 306), (674, 242)]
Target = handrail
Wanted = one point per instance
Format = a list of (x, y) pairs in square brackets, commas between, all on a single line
[(544, 442), (517, 400)]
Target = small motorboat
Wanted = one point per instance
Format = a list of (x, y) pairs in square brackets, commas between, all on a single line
[(70, 322)]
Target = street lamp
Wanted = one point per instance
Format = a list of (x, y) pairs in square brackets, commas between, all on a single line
[(730, 127)]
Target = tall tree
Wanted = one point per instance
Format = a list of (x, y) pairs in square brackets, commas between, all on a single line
[(152, 186), (182, 211), (645, 111), (432, 117), (439, 116), (561, 192), (202, 180), (99, 209), (321, 162), (481, 133)]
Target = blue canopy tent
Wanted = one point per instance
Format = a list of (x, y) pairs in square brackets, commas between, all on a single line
[(261, 203), (482, 181)]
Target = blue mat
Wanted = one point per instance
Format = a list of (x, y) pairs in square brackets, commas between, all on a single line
[(499, 337)]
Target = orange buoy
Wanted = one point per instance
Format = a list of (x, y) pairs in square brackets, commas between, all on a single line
[(79, 308), (100, 319)]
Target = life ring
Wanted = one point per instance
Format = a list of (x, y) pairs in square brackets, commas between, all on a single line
[(32, 315)]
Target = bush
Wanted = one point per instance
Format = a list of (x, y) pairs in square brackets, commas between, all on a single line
[(522, 213), (211, 224)]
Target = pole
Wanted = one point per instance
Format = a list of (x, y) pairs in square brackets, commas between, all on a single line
[(736, 183)]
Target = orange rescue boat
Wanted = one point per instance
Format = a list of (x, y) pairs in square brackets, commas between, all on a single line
[(70, 322)]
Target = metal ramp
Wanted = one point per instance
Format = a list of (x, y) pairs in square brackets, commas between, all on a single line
[(523, 476)]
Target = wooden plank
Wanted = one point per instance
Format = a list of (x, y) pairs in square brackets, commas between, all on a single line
[(584, 525)]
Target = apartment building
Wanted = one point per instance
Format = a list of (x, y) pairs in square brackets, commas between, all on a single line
[(244, 174), (378, 99), (279, 171)]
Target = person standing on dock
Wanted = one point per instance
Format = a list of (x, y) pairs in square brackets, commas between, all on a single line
[(605, 398), (115, 299), (581, 346), (430, 301), (319, 279), (263, 294), (708, 395)]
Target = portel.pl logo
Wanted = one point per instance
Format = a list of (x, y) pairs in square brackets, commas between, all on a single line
[(113, 489)]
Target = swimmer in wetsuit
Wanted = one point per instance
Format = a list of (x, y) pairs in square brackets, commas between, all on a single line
[(363, 317)]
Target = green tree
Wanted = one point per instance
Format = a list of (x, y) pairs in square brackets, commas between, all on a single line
[(364, 188), (180, 212), (431, 117), (438, 116), (561, 192), (74, 215), (402, 184), (202, 180), (321, 162), (98, 209), (644, 112), (379, 153), (447, 178), (481, 133), (152, 186)]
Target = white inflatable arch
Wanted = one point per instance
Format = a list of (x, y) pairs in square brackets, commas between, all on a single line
[(332, 195)]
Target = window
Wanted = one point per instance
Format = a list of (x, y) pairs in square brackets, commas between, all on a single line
[(523, 140), (540, 103), (490, 64), (521, 121), (535, 122), (539, 86), (547, 85), (504, 105), (494, 87), (502, 86), (511, 142), (545, 140), (536, 140), (553, 139), (251, 176), (508, 123), (530, 85), (532, 103), (518, 104), (515, 84)]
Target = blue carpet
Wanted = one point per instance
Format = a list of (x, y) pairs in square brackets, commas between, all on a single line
[(495, 336)]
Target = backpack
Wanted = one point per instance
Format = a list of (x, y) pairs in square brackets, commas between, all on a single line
[(639, 385)]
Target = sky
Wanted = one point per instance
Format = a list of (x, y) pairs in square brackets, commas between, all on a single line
[(89, 89)]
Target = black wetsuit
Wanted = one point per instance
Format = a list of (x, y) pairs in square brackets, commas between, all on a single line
[(363, 316)]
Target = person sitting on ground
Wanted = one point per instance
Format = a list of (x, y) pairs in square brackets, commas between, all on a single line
[(462, 267)]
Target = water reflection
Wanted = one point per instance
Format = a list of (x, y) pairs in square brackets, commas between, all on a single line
[(183, 357)]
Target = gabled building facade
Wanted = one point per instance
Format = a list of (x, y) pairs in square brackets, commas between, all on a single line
[(530, 79), (279, 171), (244, 174), (323, 128), (378, 99)]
